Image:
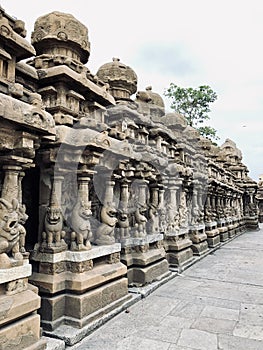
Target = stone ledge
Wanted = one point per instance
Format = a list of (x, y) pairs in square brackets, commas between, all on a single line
[(72, 256), (137, 241), (78, 281), (15, 273), (72, 336)]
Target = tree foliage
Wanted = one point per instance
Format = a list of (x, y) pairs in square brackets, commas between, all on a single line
[(193, 104)]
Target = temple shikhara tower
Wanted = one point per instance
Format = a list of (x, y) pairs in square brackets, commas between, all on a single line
[(102, 192)]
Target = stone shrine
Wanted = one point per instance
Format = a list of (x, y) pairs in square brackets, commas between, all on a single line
[(101, 192)]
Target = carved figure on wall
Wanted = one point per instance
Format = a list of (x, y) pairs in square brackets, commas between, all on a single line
[(172, 219), (140, 220), (162, 220), (251, 209), (9, 232), (80, 222), (195, 215), (105, 232), (53, 234), (208, 213), (220, 212), (153, 219), (22, 231), (123, 224), (183, 210)]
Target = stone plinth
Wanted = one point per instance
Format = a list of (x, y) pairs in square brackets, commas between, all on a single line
[(19, 323), (222, 225), (213, 234), (78, 288), (145, 259), (199, 239), (178, 248), (231, 227), (251, 222)]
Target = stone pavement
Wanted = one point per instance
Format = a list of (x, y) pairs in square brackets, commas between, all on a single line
[(215, 304)]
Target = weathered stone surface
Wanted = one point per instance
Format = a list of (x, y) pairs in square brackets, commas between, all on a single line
[(180, 258), (197, 339), (148, 274), (79, 310), (15, 306), (23, 334), (78, 281)]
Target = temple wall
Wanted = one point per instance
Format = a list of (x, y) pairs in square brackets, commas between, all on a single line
[(100, 192)]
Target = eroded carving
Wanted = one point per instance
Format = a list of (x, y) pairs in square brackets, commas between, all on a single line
[(80, 222), (9, 232), (105, 232)]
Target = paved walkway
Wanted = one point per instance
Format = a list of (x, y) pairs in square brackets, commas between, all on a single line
[(215, 304)]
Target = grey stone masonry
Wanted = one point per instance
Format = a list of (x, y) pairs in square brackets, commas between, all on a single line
[(215, 304)]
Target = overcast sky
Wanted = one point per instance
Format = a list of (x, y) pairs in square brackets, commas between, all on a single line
[(191, 43)]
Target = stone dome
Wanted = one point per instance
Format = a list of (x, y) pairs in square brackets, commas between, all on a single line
[(150, 103), (121, 78), (191, 133), (62, 31), (156, 99), (230, 150), (175, 121)]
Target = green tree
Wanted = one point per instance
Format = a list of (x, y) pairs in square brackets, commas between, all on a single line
[(193, 104)]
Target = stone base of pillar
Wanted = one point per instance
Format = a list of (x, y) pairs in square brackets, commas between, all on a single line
[(213, 235), (140, 276), (251, 222), (145, 259), (213, 242), (224, 234), (231, 231), (199, 239), (19, 323), (77, 288), (80, 310), (180, 259), (22, 335), (222, 226), (178, 249)]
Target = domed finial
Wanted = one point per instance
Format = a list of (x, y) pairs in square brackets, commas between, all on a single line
[(121, 78), (60, 30)]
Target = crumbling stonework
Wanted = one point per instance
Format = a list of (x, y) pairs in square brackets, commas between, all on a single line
[(99, 191)]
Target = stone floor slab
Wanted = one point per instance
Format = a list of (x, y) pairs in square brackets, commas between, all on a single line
[(248, 331), (214, 325), (196, 339), (220, 313), (229, 342)]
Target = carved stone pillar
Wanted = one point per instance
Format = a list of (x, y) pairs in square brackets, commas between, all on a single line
[(52, 237), (70, 280), (10, 188), (143, 253), (81, 234), (162, 210), (105, 233), (153, 213), (177, 242), (141, 209), (123, 228), (19, 300)]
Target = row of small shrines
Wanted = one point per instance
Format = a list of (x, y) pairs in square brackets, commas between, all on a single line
[(99, 192)]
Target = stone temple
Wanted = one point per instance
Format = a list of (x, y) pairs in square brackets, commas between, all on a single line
[(101, 193)]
